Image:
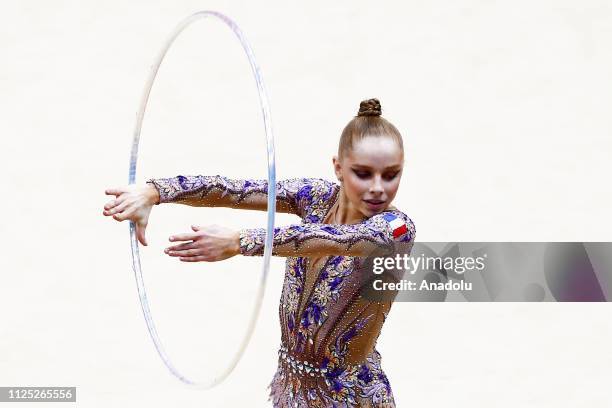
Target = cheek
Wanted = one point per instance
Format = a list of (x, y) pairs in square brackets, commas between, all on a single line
[(355, 186), (392, 187)]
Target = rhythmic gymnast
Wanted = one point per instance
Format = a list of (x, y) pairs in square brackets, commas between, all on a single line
[(327, 356)]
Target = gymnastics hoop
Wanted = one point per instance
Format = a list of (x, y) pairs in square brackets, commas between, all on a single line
[(263, 100)]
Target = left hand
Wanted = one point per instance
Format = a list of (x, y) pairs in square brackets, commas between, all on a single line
[(208, 243)]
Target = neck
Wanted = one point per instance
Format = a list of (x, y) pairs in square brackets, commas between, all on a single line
[(346, 212)]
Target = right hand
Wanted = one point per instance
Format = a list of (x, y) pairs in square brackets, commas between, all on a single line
[(132, 202)]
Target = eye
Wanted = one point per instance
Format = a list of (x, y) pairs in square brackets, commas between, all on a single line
[(362, 174), (391, 176)]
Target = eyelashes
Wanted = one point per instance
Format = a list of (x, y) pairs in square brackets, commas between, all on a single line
[(364, 175)]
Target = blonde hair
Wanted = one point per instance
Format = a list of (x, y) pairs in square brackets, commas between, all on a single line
[(368, 122)]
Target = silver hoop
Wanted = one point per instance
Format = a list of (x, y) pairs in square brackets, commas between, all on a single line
[(271, 200)]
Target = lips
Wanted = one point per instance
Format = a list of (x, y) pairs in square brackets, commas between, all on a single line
[(375, 204)]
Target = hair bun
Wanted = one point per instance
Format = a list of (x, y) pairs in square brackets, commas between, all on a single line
[(369, 107)]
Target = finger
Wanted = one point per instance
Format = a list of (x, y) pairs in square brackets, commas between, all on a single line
[(124, 215), (186, 252), (140, 234), (109, 205), (195, 228), (117, 209), (113, 203), (187, 236), (180, 247), (114, 191), (200, 258)]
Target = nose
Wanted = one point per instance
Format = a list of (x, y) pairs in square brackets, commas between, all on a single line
[(376, 187)]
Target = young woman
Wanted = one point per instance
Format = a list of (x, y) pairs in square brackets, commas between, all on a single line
[(327, 356)]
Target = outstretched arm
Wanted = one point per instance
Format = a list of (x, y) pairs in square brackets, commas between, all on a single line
[(219, 191), (308, 240), (214, 243)]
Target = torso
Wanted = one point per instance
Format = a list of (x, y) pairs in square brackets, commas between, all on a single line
[(324, 322)]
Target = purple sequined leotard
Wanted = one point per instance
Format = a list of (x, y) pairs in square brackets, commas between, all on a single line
[(327, 356)]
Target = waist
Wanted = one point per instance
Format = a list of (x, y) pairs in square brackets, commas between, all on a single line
[(325, 368), (302, 367)]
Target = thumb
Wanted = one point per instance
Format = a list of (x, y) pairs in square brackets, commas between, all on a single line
[(195, 228), (140, 234)]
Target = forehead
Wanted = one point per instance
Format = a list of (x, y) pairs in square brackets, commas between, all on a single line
[(376, 152)]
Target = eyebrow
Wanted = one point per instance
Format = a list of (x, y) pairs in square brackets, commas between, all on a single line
[(363, 166)]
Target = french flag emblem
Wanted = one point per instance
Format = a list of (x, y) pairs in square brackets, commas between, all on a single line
[(398, 226)]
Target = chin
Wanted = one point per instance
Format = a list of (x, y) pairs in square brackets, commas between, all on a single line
[(369, 213)]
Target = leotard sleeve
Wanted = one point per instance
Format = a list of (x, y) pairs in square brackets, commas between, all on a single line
[(219, 191), (378, 232)]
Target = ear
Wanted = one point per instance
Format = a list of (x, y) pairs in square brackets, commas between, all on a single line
[(337, 167)]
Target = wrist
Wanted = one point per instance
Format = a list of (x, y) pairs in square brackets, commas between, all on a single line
[(236, 243), (252, 241), (153, 193)]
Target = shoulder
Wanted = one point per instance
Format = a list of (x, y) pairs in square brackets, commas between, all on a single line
[(312, 190), (309, 194), (306, 185), (317, 184), (396, 224)]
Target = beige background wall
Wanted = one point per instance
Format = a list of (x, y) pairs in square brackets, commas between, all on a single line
[(504, 108)]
